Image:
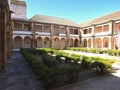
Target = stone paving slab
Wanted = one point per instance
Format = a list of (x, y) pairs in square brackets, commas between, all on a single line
[(18, 76)]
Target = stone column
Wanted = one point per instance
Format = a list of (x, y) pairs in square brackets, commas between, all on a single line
[(42, 27), (32, 25), (102, 43), (42, 43), (111, 31), (22, 26), (52, 36), (80, 38), (93, 37), (12, 40), (73, 42), (68, 37)]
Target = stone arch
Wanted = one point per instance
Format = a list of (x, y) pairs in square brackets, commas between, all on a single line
[(46, 42), (76, 43), (98, 43), (56, 43), (27, 42), (105, 42), (89, 42), (63, 43), (18, 42), (71, 42), (85, 42), (39, 42)]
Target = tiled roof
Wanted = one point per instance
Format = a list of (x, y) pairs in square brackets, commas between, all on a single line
[(54, 20), (102, 19)]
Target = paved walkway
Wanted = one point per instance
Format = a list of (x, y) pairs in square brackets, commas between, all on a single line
[(18, 76), (108, 82)]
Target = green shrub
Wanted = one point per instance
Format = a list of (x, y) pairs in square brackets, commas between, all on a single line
[(68, 59), (86, 62), (118, 52), (50, 61), (50, 76), (92, 50), (75, 58), (102, 65), (110, 52)]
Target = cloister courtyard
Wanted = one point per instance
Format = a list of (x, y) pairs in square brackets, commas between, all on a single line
[(51, 53)]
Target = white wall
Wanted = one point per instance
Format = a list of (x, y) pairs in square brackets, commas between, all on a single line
[(19, 11)]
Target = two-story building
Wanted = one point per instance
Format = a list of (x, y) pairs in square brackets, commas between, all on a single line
[(101, 32), (42, 31)]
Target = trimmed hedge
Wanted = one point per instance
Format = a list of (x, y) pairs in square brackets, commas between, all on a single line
[(50, 75), (100, 64), (94, 50)]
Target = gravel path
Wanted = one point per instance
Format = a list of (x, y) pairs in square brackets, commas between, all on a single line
[(18, 76)]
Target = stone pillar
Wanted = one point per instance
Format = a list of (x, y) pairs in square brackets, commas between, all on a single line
[(32, 25), (22, 26), (102, 43), (68, 37), (42, 27), (93, 37), (111, 31), (12, 39), (80, 38), (43, 43), (52, 36), (73, 42)]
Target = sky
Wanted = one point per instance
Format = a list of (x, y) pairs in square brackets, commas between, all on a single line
[(76, 10)]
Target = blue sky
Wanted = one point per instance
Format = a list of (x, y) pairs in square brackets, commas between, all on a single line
[(75, 10)]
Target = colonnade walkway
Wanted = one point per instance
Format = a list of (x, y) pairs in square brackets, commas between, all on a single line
[(18, 76), (103, 82)]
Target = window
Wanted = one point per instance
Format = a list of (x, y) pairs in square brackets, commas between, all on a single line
[(75, 31), (85, 31)]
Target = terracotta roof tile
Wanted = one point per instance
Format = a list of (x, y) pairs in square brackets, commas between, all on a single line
[(102, 19), (50, 19)]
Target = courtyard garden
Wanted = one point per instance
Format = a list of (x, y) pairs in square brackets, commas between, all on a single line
[(56, 68)]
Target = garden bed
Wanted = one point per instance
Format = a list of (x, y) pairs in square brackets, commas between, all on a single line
[(55, 68)]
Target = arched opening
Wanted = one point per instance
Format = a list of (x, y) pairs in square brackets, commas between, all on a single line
[(105, 42), (71, 42), (56, 43), (98, 43), (47, 42), (18, 42), (63, 43), (85, 43), (76, 43), (89, 43), (27, 42), (39, 42)]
